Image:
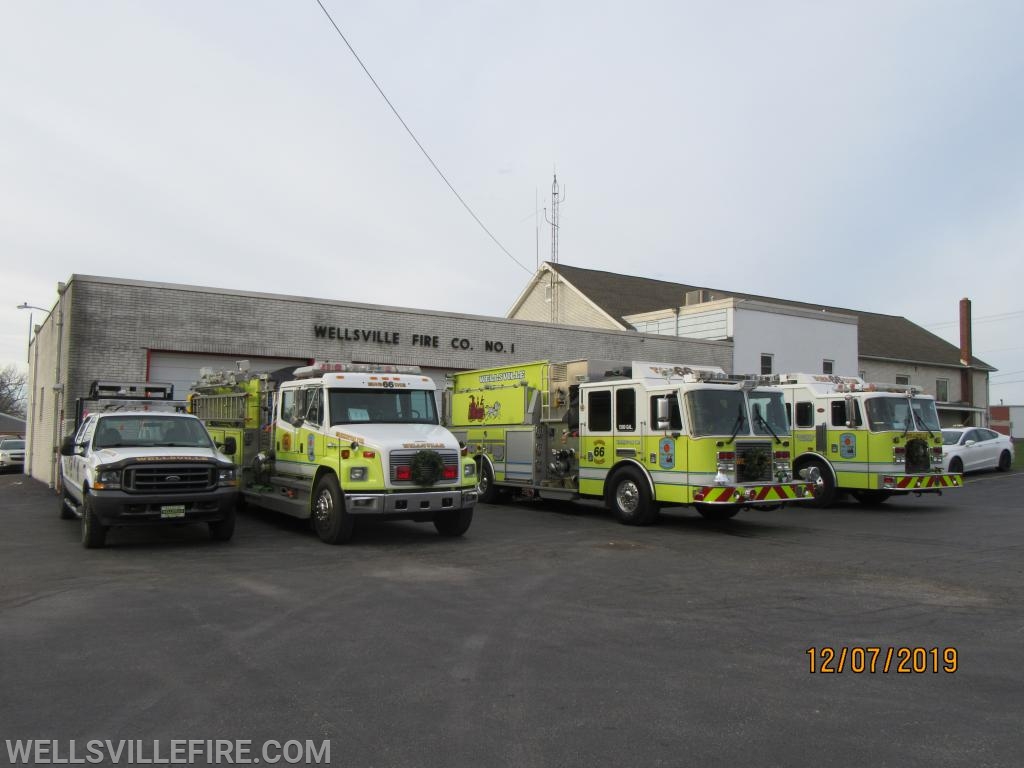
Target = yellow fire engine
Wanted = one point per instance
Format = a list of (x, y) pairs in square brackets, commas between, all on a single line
[(637, 436), (872, 440), (339, 441)]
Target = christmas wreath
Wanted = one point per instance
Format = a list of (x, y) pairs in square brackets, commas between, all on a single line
[(427, 467), (757, 465)]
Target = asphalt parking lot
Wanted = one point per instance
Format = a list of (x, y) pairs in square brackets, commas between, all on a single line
[(549, 636)]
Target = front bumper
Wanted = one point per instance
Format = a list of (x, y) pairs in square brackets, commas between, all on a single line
[(120, 508), (924, 483), (754, 494), (411, 503)]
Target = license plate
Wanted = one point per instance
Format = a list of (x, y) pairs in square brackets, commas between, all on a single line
[(172, 510)]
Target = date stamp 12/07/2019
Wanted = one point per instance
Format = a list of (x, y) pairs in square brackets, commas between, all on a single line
[(904, 660)]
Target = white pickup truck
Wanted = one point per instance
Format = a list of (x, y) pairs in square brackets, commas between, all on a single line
[(127, 468)]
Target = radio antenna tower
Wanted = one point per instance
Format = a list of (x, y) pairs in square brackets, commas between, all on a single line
[(553, 221)]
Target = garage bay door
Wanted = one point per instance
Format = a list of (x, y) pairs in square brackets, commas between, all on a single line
[(182, 369)]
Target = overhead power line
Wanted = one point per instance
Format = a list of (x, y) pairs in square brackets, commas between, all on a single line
[(417, 141), (982, 319)]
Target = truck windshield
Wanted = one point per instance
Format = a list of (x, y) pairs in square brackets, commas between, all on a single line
[(768, 413), (381, 406), (896, 412), (145, 431), (926, 415), (718, 412)]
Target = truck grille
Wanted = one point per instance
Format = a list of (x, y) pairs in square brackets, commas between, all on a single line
[(753, 462), (169, 478), (405, 457)]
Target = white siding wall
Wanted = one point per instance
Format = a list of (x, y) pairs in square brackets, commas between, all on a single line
[(798, 343), (573, 309)]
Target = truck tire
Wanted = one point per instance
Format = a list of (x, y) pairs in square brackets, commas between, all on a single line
[(66, 513), (488, 492), (224, 529), (718, 511), (332, 523), (871, 498), (956, 466), (454, 522), (629, 497), (825, 488), (94, 534)]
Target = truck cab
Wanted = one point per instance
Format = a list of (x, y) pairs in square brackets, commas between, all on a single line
[(132, 468)]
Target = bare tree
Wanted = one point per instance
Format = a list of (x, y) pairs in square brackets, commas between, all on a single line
[(12, 391)]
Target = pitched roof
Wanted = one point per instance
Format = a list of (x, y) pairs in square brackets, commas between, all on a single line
[(880, 336), (11, 425)]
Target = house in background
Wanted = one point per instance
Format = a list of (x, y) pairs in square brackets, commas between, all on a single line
[(770, 335), (11, 426), (1007, 419)]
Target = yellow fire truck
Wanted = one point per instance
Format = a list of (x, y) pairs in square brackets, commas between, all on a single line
[(637, 436), (338, 441), (872, 440)]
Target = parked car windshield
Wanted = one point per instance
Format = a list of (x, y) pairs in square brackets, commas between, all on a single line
[(768, 413), (951, 436), (145, 431), (12, 445), (381, 406), (718, 412)]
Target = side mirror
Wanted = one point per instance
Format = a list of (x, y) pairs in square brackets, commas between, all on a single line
[(663, 414), (230, 446), (969, 443), (67, 446)]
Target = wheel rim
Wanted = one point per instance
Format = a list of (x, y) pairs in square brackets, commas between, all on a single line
[(627, 496), (323, 508), (485, 481)]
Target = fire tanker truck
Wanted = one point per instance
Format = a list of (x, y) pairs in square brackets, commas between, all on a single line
[(872, 440), (339, 441), (637, 436)]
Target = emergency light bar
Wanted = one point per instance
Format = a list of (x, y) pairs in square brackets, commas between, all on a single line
[(121, 390), (322, 367), (847, 383)]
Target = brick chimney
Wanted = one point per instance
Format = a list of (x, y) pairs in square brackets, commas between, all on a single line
[(966, 379)]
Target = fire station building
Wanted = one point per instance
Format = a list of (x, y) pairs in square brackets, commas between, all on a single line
[(107, 329)]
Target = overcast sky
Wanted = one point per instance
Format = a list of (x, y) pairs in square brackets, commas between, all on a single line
[(867, 155)]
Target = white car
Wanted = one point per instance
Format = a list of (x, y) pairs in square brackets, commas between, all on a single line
[(12, 453), (970, 449)]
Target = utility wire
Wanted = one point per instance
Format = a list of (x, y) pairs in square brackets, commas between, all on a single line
[(413, 136), (981, 319)]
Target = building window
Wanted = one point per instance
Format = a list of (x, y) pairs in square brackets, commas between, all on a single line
[(903, 380), (766, 363), (863, 375), (826, 366), (942, 390)]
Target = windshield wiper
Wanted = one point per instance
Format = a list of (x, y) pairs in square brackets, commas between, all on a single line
[(740, 418), (919, 418), (767, 426)]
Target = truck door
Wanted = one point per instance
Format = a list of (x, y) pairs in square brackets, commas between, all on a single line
[(628, 435), (597, 449)]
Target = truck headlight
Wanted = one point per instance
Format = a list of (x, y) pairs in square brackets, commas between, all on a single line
[(108, 479), (226, 476), (357, 473), (469, 470)]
